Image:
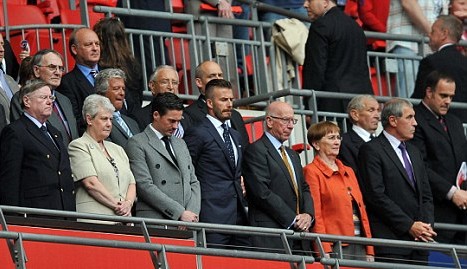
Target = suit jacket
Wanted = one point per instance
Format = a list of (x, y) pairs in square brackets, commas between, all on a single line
[(348, 152), (271, 196), (3, 119), (12, 65), (164, 189), (118, 135), (76, 87), (450, 61), (16, 111), (393, 205), (4, 101), (443, 152), (143, 116), (195, 113), (335, 59), (221, 191), (33, 172)]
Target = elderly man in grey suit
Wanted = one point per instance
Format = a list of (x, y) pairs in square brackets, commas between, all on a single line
[(166, 184)]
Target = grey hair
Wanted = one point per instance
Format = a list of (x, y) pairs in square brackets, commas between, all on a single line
[(393, 107), (159, 68), (357, 103), (102, 79), (94, 103)]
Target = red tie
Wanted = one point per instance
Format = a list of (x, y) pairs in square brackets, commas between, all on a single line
[(443, 123)]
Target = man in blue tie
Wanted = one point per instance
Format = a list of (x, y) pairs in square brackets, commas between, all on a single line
[(111, 84), (217, 154), (395, 186)]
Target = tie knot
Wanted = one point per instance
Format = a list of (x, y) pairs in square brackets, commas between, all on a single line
[(402, 146), (93, 73), (43, 128), (224, 126), (165, 138), (116, 115)]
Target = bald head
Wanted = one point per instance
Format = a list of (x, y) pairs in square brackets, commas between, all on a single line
[(205, 72), (280, 120), (85, 47)]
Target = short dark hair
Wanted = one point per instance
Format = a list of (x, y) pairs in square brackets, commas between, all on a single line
[(434, 77), (216, 83), (163, 102)]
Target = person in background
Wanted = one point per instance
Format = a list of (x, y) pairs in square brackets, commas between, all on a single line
[(25, 71), (458, 8), (34, 163), (339, 207), (116, 53), (8, 86), (101, 169)]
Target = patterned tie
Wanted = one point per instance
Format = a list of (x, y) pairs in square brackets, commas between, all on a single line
[(228, 143), (292, 178), (442, 121), (166, 141), (180, 131), (123, 124), (407, 165), (93, 73)]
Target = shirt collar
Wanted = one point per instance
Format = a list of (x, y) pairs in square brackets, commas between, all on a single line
[(445, 45), (429, 109), (85, 70), (364, 134), (275, 142), (158, 134), (326, 170), (36, 122), (392, 140)]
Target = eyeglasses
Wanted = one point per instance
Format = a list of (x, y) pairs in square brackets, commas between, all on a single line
[(285, 120), (53, 67), (166, 82), (45, 97)]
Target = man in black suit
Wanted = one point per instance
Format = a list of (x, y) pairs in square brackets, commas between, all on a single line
[(164, 79), (364, 113), (335, 55), (278, 195), (441, 139), (395, 185), (34, 166), (111, 84), (217, 155), (446, 32), (3, 121), (196, 112), (48, 66), (79, 82)]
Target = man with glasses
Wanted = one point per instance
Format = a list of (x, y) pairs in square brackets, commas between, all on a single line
[(34, 164), (47, 65), (164, 79), (278, 195), (217, 156), (78, 84)]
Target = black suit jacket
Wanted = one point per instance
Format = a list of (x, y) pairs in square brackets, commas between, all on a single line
[(143, 116), (12, 65), (450, 61), (3, 122), (348, 152), (16, 111), (118, 135), (221, 193), (393, 205), (443, 153), (33, 173), (271, 196), (195, 113), (335, 59)]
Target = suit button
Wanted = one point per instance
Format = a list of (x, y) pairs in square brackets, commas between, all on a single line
[(59, 173), (163, 182), (61, 189), (73, 192), (158, 166), (48, 156)]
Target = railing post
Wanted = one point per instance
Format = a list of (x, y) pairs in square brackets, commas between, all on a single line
[(154, 258), (19, 254)]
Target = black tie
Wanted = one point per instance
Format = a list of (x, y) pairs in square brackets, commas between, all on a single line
[(228, 143), (167, 146), (46, 133)]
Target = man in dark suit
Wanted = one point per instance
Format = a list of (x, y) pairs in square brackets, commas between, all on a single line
[(446, 32), (164, 79), (111, 84), (278, 195), (3, 121), (34, 166), (441, 139), (364, 113), (396, 187), (335, 55), (196, 112), (48, 66), (217, 156), (167, 186), (79, 82)]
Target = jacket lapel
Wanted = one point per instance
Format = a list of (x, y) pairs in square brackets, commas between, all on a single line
[(158, 145), (274, 153)]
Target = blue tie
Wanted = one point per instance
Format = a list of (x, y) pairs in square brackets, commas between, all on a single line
[(122, 124), (407, 165), (228, 143)]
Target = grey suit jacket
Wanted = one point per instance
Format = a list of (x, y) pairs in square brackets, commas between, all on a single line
[(164, 189), (4, 101), (65, 105), (118, 135)]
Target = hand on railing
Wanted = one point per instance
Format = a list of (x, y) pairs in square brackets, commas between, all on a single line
[(224, 9)]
